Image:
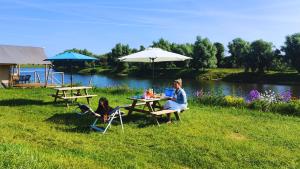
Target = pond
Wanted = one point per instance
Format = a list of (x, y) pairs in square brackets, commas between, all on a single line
[(190, 85)]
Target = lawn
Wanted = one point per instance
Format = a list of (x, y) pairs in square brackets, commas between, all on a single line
[(35, 133)]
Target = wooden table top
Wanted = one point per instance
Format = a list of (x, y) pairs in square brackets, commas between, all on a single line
[(73, 88), (150, 99)]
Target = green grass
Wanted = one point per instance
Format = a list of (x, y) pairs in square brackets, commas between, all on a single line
[(35, 133)]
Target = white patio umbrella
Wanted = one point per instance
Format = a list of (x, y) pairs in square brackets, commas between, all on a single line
[(152, 55)]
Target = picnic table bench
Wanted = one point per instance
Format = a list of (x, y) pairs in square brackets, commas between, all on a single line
[(67, 93)]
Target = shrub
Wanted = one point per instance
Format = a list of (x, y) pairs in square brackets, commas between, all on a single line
[(212, 97), (261, 105), (291, 108), (211, 100), (234, 101), (282, 103)]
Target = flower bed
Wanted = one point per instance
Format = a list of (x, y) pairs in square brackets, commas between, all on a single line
[(268, 100)]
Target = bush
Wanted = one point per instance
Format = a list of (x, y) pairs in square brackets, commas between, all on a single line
[(261, 105), (268, 101), (211, 100), (291, 108), (234, 101)]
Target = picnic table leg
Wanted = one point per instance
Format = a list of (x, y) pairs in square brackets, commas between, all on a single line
[(86, 93), (156, 120), (132, 107), (77, 94), (65, 95), (151, 109), (57, 92), (177, 116)]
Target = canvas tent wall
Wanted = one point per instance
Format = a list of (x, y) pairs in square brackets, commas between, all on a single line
[(12, 56), (4, 74)]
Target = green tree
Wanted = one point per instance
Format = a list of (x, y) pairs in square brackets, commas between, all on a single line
[(279, 62), (118, 51), (238, 49), (142, 48), (261, 55), (163, 44), (204, 54), (182, 49), (292, 50), (82, 51), (220, 53)]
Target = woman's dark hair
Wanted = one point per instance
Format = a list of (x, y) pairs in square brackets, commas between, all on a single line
[(104, 101), (103, 106)]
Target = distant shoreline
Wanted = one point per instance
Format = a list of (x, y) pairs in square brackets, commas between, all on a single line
[(227, 75)]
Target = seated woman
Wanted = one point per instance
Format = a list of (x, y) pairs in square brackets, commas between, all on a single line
[(103, 109), (179, 100)]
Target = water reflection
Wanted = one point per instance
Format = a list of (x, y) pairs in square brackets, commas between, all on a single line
[(191, 86)]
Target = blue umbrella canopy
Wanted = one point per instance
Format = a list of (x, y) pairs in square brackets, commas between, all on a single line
[(70, 56)]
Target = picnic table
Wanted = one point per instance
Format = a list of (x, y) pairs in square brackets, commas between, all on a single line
[(69, 93), (152, 105)]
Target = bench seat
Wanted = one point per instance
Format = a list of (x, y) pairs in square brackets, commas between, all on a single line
[(162, 112), (76, 97)]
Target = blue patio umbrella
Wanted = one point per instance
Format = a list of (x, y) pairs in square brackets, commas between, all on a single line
[(70, 57)]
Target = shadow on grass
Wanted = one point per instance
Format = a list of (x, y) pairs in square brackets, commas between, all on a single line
[(23, 102), (78, 122), (142, 120), (81, 123)]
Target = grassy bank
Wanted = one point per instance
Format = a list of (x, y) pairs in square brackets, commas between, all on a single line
[(35, 133)]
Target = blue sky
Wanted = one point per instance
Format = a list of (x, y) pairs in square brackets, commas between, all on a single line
[(97, 26)]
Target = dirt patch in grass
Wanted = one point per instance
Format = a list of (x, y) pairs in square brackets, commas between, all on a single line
[(237, 136)]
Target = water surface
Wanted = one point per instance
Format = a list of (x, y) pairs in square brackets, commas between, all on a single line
[(190, 85)]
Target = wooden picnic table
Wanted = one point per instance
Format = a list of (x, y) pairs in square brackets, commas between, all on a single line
[(152, 105), (70, 93)]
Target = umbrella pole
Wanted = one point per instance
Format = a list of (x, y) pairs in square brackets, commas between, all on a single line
[(71, 74), (152, 59)]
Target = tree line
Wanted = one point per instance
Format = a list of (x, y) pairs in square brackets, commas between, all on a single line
[(256, 56)]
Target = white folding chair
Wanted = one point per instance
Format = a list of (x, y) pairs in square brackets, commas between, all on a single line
[(112, 115)]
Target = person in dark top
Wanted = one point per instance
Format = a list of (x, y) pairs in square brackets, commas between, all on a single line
[(103, 109)]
